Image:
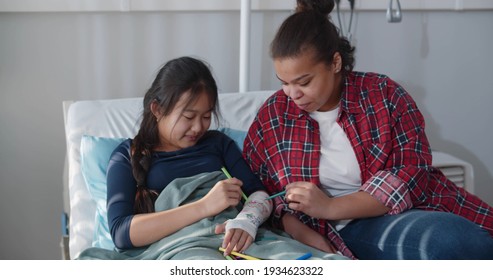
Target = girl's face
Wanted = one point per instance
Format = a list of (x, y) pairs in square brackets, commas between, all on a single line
[(185, 125), (313, 86)]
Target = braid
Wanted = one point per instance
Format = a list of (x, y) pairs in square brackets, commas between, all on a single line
[(141, 162)]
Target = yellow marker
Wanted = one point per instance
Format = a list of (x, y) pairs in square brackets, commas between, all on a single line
[(229, 176), (246, 257)]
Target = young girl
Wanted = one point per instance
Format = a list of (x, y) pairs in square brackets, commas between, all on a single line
[(174, 142)]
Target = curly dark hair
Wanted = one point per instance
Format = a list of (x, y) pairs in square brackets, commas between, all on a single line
[(310, 29)]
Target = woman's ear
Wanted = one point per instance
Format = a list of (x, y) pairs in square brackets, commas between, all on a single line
[(337, 62)]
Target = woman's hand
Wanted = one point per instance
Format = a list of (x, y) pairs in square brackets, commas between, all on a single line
[(235, 239), (307, 198), (224, 194), (311, 200)]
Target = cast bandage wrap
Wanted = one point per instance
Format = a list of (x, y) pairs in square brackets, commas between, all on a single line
[(255, 211)]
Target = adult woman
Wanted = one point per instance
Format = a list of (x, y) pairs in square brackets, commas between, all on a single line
[(174, 142), (351, 152)]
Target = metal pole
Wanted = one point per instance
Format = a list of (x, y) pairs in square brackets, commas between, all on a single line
[(244, 44)]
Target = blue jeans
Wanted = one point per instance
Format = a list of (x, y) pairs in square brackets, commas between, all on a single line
[(418, 234)]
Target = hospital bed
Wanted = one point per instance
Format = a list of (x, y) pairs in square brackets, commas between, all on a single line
[(94, 127)]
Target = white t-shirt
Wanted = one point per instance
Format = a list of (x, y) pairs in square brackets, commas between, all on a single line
[(339, 169)]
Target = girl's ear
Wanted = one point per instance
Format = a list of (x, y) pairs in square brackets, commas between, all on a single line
[(337, 62), (156, 111)]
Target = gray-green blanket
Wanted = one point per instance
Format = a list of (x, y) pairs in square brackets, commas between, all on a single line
[(198, 241)]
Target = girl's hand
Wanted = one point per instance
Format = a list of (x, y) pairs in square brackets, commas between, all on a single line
[(224, 194), (307, 198), (235, 239)]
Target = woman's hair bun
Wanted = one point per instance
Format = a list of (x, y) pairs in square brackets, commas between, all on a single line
[(321, 6)]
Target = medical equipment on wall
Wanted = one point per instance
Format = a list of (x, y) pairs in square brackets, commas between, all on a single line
[(346, 34), (394, 15)]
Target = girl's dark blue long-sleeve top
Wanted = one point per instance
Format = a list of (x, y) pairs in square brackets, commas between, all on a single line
[(213, 151)]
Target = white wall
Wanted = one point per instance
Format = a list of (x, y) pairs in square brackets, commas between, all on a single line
[(442, 58)]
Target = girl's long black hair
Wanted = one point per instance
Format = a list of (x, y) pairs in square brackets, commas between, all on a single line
[(176, 77)]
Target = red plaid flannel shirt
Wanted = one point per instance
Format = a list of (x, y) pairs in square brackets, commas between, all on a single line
[(387, 132)]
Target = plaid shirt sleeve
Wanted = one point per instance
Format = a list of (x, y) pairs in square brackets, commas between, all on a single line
[(387, 132), (255, 152), (398, 170)]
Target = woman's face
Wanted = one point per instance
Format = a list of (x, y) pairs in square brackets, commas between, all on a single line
[(185, 125), (313, 86)]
